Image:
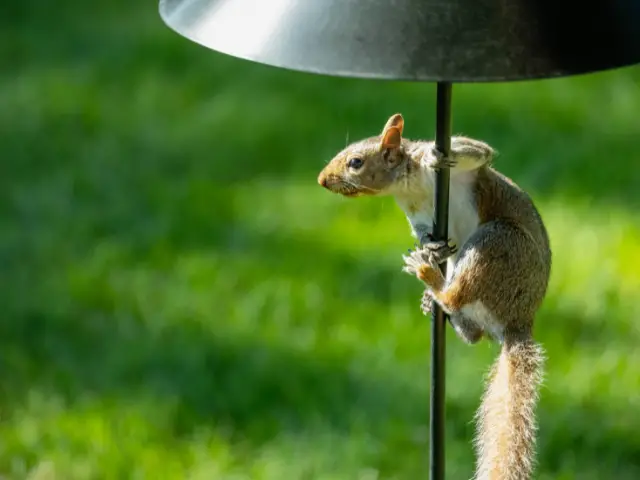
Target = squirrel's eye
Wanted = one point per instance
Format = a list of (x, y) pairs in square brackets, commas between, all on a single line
[(355, 163)]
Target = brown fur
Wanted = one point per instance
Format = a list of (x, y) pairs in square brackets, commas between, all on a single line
[(499, 279), (505, 265), (515, 257), (431, 276)]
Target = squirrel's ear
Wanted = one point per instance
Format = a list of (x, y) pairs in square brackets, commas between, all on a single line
[(394, 121), (391, 138)]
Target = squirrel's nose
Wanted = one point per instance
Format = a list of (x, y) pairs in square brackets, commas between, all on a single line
[(322, 181)]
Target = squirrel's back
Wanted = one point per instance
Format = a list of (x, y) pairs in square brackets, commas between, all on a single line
[(499, 197)]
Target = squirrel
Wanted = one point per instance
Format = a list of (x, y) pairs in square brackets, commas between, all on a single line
[(495, 282)]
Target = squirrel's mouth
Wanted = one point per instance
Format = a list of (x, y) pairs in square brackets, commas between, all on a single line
[(344, 188)]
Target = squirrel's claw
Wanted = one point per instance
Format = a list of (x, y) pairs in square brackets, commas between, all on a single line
[(431, 254), (415, 260), (411, 263), (441, 250), (440, 160)]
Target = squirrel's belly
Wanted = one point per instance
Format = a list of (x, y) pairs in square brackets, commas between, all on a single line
[(481, 315)]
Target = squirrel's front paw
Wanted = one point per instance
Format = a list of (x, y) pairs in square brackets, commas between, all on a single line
[(421, 263), (416, 260), (440, 161), (440, 250)]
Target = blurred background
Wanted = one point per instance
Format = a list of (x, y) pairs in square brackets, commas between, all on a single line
[(181, 300)]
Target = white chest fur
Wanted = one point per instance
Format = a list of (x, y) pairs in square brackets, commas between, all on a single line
[(417, 202)]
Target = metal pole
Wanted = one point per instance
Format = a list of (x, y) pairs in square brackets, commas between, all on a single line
[(440, 232)]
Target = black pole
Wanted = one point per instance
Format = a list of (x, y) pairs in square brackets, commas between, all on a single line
[(440, 232)]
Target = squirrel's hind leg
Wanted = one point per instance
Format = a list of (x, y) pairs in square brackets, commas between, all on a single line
[(468, 330), (465, 328), (424, 264)]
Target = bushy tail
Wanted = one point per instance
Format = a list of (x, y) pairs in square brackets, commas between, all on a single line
[(506, 426)]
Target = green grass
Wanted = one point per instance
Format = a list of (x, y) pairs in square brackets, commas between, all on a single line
[(182, 301)]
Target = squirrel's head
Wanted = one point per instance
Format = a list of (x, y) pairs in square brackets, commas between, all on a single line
[(370, 166)]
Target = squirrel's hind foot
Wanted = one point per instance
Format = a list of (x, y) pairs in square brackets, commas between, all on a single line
[(426, 304)]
